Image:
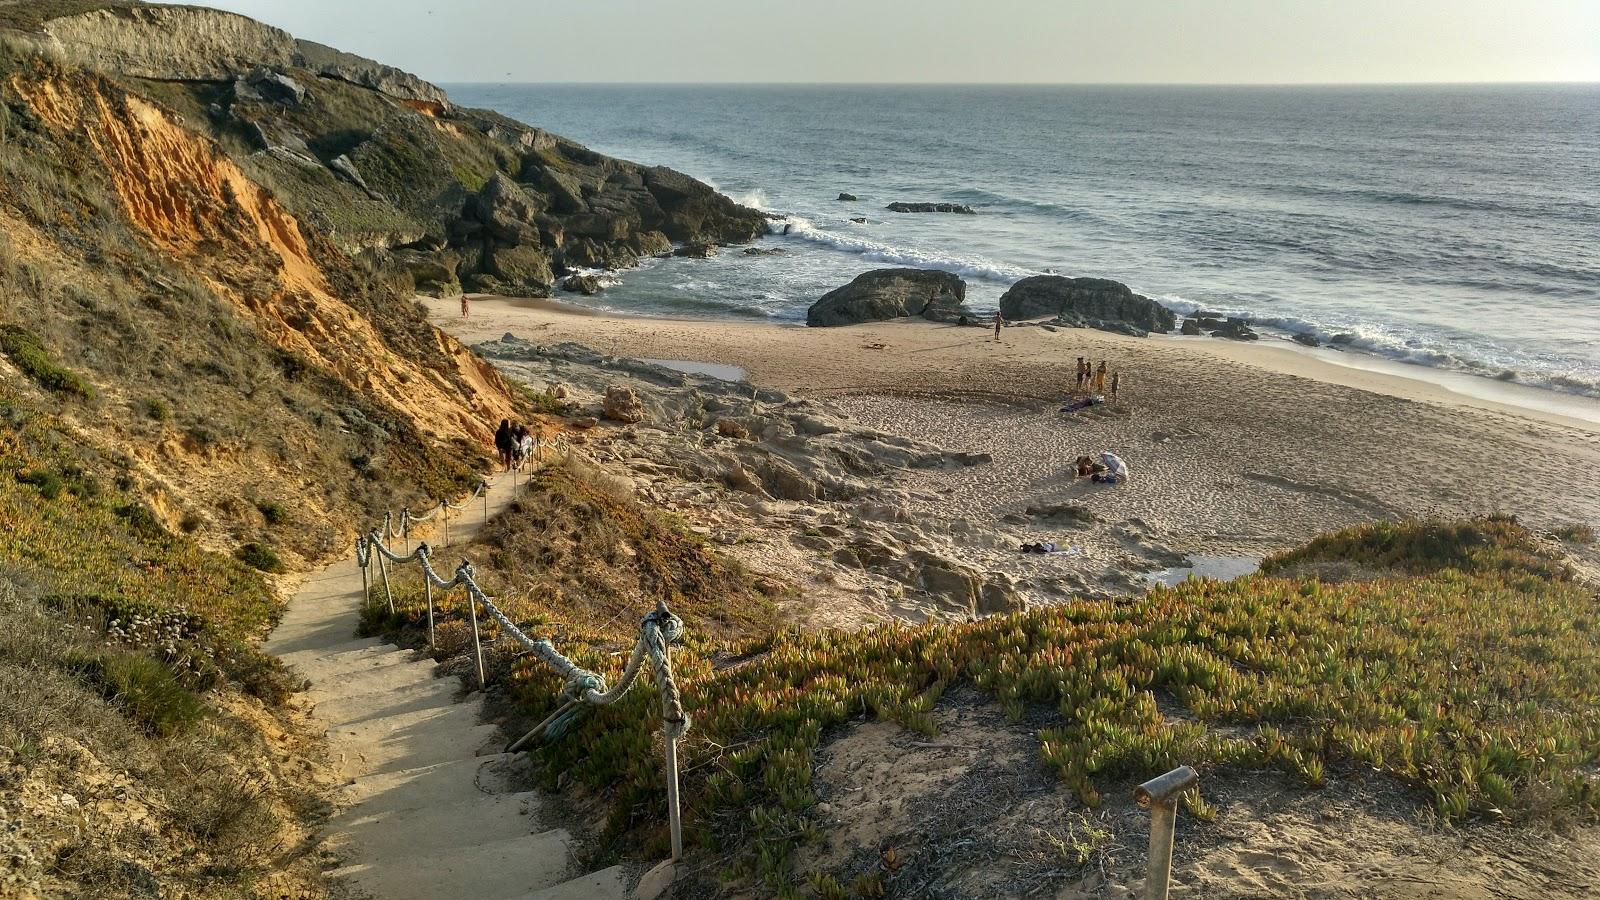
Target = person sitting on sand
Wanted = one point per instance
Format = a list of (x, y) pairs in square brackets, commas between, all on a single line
[(1116, 470), (1100, 378), (1086, 467), (503, 442)]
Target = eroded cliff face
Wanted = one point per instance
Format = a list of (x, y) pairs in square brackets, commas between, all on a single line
[(240, 360)]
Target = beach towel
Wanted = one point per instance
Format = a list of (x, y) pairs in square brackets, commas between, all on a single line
[(1083, 403)]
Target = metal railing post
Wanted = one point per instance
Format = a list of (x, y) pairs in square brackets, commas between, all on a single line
[(486, 504), (428, 584), (674, 814), (444, 513), (383, 569), (405, 529), (1160, 796), (477, 645)]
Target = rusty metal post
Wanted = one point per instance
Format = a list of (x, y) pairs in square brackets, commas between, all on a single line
[(1160, 796), (444, 513)]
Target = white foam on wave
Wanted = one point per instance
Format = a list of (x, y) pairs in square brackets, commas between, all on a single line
[(1390, 343), (801, 228)]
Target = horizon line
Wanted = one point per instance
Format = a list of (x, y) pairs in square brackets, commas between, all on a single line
[(1162, 84)]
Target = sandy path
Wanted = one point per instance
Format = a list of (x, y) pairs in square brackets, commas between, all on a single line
[(429, 807)]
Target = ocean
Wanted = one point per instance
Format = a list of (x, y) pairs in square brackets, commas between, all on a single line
[(1456, 227)]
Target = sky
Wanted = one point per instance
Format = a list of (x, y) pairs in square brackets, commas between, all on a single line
[(958, 41)]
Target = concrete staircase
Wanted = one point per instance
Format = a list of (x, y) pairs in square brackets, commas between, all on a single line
[(429, 808)]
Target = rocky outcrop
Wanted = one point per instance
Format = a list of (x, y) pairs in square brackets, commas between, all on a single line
[(400, 162), (1086, 302), (961, 209), (622, 405), (848, 198), (587, 285), (891, 294), (331, 63)]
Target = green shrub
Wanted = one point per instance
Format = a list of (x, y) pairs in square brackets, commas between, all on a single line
[(272, 511), (22, 347), (47, 483), (1575, 533), (145, 689), (158, 409), (259, 556)]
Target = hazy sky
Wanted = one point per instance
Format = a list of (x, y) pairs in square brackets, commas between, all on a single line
[(1163, 41)]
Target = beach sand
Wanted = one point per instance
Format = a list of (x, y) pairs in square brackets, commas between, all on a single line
[(1234, 448)]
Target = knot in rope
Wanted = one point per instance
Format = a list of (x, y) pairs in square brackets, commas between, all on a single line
[(660, 630)]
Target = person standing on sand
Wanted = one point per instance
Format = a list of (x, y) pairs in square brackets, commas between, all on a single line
[(1079, 388), (1116, 379), (463, 306), (998, 321), (1100, 378)]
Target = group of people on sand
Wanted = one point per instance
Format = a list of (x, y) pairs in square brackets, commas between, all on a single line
[(1108, 469), (1092, 379), (514, 443)]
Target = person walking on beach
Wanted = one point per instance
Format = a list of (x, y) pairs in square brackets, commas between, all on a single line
[(998, 321), (1100, 378), (464, 306), (1116, 380)]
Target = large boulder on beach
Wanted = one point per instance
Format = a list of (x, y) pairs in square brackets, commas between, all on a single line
[(891, 294), (1086, 302)]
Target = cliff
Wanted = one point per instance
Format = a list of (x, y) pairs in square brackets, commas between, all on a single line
[(381, 161)]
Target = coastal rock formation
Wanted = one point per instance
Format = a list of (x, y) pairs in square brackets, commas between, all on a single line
[(848, 198), (891, 294), (588, 285), (959, 208), (1235, 329), (1086, 302), (380, 159), (622, 405)]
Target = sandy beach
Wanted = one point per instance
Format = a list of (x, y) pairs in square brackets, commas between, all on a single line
[(1236, 450)]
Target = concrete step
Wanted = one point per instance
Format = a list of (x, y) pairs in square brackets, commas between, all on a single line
[(349, 710), (473, 819), (436, 785), (382, 680), (503, 868), (606, 884), (398, 753)]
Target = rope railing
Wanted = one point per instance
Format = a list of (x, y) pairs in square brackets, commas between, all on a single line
[(581, 687)]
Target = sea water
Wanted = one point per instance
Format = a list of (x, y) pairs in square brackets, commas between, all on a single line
[(1448, 226)]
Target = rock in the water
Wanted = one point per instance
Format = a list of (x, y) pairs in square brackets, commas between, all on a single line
[(1343, 337), (622, 405), (696, 251), (891, 294), (1191, 327), (848, 198), (902, 207), (1236, 329), (1308, 340), (764, 251), (1090, 302), (588, 285)]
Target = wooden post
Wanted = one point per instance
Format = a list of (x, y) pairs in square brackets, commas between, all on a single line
[(444, 513), (674, 817), (486, 505)]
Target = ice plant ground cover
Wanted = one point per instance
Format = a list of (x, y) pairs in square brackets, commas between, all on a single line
[(1459, 663)]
